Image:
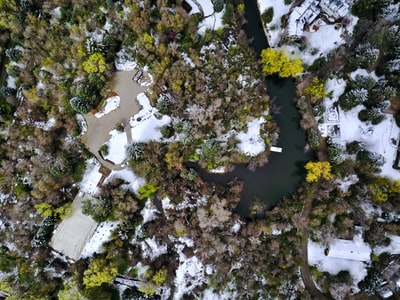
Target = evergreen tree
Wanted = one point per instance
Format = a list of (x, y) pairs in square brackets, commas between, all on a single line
[(135, 151), (80, 105)]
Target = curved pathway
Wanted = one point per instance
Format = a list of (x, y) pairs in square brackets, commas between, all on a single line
[(98, 128)]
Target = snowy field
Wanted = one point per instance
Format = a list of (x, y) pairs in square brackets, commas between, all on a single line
[(377, 138)]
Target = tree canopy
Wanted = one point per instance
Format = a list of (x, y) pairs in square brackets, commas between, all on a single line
[(278, 62), (317, 170)]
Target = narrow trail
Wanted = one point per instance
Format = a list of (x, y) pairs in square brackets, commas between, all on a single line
[(305, 268)]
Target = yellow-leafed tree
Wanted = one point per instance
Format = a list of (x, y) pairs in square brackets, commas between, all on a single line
[(317, 170), (100, 271), (278, 62), (316, 89), (96, 63)]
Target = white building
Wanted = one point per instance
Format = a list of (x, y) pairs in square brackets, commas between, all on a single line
[(309, 10), (301, 15), (335, 9)]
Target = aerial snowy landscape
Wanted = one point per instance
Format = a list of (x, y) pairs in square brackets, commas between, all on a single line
[(128, 128)]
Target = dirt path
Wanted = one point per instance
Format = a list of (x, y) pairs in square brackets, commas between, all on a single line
[(98, 128), (302, 226)]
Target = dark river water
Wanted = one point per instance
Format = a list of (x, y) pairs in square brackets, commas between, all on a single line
[(284, 171)]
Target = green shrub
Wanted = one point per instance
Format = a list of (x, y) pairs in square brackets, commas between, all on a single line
[(218, 5), (268, 15), (147, 190)]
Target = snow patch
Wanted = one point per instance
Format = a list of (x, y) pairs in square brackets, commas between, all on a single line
[(124, 61), (275, 29), (146, 124), (46, 125), (151, 249), (149, 212), (80, 119), (91, 177), (116, 146), (251, 143), (100, 236), (133, 182), (392, 248), (111, 104), (189, 275)]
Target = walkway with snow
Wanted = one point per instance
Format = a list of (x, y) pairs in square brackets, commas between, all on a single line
[(100, 127)]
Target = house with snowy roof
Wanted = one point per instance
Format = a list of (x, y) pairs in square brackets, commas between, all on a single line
[(302, 15), (309, 10), (334, 9), (355, 249)]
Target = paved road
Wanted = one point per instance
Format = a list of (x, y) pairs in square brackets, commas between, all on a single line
[(98, 128)]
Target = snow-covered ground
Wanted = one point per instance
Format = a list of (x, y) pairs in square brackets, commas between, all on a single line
[(46, 125), (146, 123), (377, 138), (116, 146), (392, 248), (149, 212), (101, 235), (190, 273), (91, 177), (317, 257), (318, 43), (111, 104), (133, 182), (151, 249), (124, 61), (251, 143), (212, 20), (275, 29)]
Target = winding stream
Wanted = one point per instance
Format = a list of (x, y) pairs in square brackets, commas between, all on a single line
[(283, 173)]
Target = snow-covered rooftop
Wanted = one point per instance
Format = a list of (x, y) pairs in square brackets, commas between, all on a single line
[(317, 257), (347, 249)]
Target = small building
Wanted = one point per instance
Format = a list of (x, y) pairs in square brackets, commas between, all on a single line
[(335, 9)]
